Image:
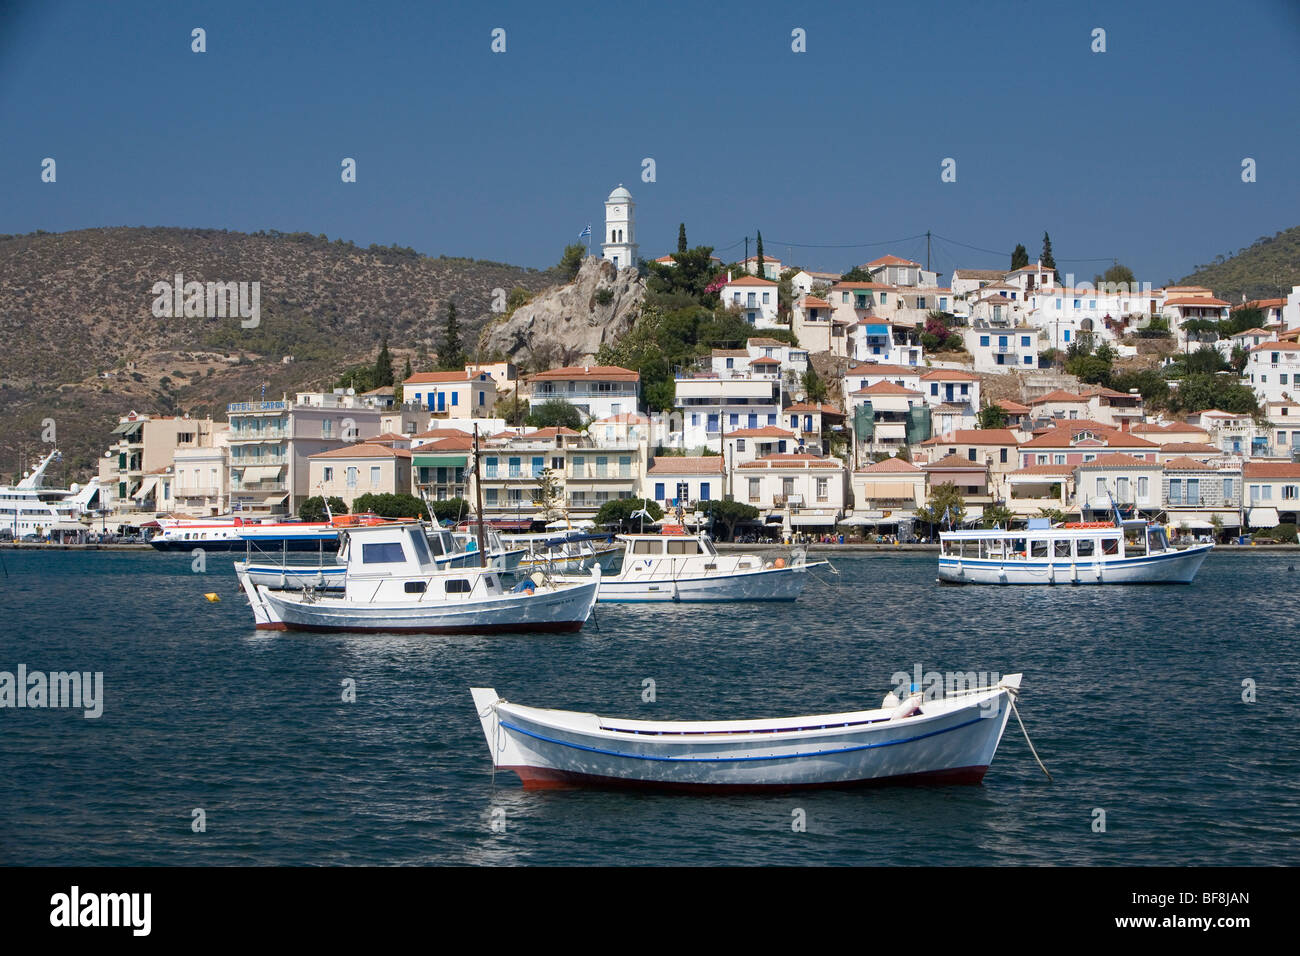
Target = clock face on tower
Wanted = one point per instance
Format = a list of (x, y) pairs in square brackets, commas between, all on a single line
[(618, 211)]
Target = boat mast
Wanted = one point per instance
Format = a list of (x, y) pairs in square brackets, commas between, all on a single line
[(478, 499)]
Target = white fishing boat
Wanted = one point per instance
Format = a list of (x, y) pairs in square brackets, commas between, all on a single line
[(571, 552), (688, 568), (393, 584), (1081, 552), (947, 740)]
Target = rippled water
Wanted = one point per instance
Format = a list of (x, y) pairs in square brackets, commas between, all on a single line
[(1133, 696)]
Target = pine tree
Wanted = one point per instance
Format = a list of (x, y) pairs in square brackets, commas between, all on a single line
[(1048, 261), (1019, 258), (451, 355), (681, 238), (759, 271), (384, 366)]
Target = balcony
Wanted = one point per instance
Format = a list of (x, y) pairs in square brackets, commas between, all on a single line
[(257, 407), (200, 491), (263, 487)]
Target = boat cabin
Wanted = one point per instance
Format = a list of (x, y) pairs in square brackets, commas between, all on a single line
[(1071, 542), (673, 546), (395, 561)]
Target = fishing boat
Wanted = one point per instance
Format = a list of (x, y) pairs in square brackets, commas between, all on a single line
[(570, 552), (951, 739), (1077, 552), (392, 583), (688, 568)]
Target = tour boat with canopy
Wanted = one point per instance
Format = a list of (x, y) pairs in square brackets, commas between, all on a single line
[(1076, 552)]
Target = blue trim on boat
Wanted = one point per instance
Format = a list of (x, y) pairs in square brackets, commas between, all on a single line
[(1042, 564), (819, 753)]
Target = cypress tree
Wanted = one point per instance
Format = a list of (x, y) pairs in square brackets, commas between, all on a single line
[(1048, 261), (383, 366), (681, 238), (451, 356), (759, 271), (1019, 258)]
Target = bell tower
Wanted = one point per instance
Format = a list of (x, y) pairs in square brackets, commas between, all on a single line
[(619, 243)]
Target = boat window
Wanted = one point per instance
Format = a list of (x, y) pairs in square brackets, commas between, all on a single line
[(388, 552), (1061, 549), (457, 586), (421, 544), (683, 547), (437, 545), (1017, 548), (1085, 547), (415, 587), (1110, 545), (1038, 549), (646, 547)]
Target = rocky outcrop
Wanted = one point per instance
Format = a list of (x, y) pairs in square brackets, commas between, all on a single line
[(567, 324)]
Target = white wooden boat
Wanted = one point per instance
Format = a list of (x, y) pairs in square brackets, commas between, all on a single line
[(948, 740), (393, 584), (688, 568), (1100, 552), (570, 553)]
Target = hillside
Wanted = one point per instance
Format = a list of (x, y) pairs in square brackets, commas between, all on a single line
[(1266, 270), (82, 345)]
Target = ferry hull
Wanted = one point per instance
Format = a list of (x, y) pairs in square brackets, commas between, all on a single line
[(954, 745), (1174, 567)]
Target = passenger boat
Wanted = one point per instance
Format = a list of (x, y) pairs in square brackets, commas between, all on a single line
[(237, 533), (1080, 552), (687, 567), (947, 740), (29, 507), (393, 584), (571, 552)]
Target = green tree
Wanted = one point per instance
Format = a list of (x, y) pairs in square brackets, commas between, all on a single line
[(681, 238), (1054, 515), (814, 388), (1117, 275), (313, 509), (548, 495), (996, 515), (512, 408), (451, 356), (556, 413), (383, 366), (992, 416), (856, 274), (449, 509), (1198, 391), (389, 505), (1019, 257), (1049, 261), (725, 515), (944, 499), (1240, 357), (517, 297), (619, 512), (759, 270), (693, 274), (1205, 359), (571, 261)]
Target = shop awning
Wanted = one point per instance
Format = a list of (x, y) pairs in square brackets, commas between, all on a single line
[(151, 481), (799, 521), (1263, 518), (67, 526), (261, 473)]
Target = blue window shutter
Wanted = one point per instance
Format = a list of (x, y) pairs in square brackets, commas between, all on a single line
[(704, 491), (659, 491), (455, 398)]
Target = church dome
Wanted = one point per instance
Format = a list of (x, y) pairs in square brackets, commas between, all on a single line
[(619, 195)]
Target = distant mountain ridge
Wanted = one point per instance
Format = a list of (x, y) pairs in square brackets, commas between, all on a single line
[(1266, 270), (82, 345)]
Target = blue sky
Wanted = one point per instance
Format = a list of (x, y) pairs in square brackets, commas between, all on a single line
[(1133, 153)]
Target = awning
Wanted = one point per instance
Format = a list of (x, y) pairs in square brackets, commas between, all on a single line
[(128, 428), (440, 461), (1036, 479), (275, 499), (889, 489), (261, 473), (68, 526), (151, 482), (804, 520), (1263, 518)]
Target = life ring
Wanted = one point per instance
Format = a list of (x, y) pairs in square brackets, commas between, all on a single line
[(778, 563)]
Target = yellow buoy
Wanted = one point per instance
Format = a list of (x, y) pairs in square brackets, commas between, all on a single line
[(212, 596)]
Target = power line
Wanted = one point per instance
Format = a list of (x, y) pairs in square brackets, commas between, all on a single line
[(1003, 252), (850, 245)]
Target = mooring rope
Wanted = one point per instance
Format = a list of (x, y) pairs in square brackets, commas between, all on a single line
[(1012, 699)]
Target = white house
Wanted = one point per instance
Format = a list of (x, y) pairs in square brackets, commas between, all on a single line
[(999, 349), (460, 394), (755, 298), (598, 391), (684, 481), (711, 404), (1271, 369), (808, 493)]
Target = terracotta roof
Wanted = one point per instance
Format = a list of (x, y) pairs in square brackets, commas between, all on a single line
[(766, 431), (748, 279), (1115, 459), (812, 302), (729, 353), (443, 433), (792, 461), (975, 436), (1058, 395), (806, 407), (764, 342), (670, 465), (886, 388), (893, 261), (363, 450), (1238, 335), (609, 373), (1044, 470), (626, 418), (1182, 427), (1271, 469), (462, 443), (388, 437), (1007, 405), (765, 361), (954, 462), (880, 368), (1189, 448), (1106, 393), (978, 273), (1063, 435), (861, 285), (550, 433), (891, 466), (1195, 300), (1275, 347), (1186, 464), (955, 374)]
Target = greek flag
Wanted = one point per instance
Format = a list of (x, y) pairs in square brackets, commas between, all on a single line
[(586, 233), (947, 517)]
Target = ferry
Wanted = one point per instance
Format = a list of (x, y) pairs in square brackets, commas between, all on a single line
[(1078, 552), (29, 507), (236, 533)]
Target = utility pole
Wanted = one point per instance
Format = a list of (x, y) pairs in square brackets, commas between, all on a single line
[(927, 250), (746, 259)]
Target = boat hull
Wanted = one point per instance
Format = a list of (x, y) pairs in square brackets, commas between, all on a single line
[(947, 744), (565, 610), (1174, 567), (771, 584)]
